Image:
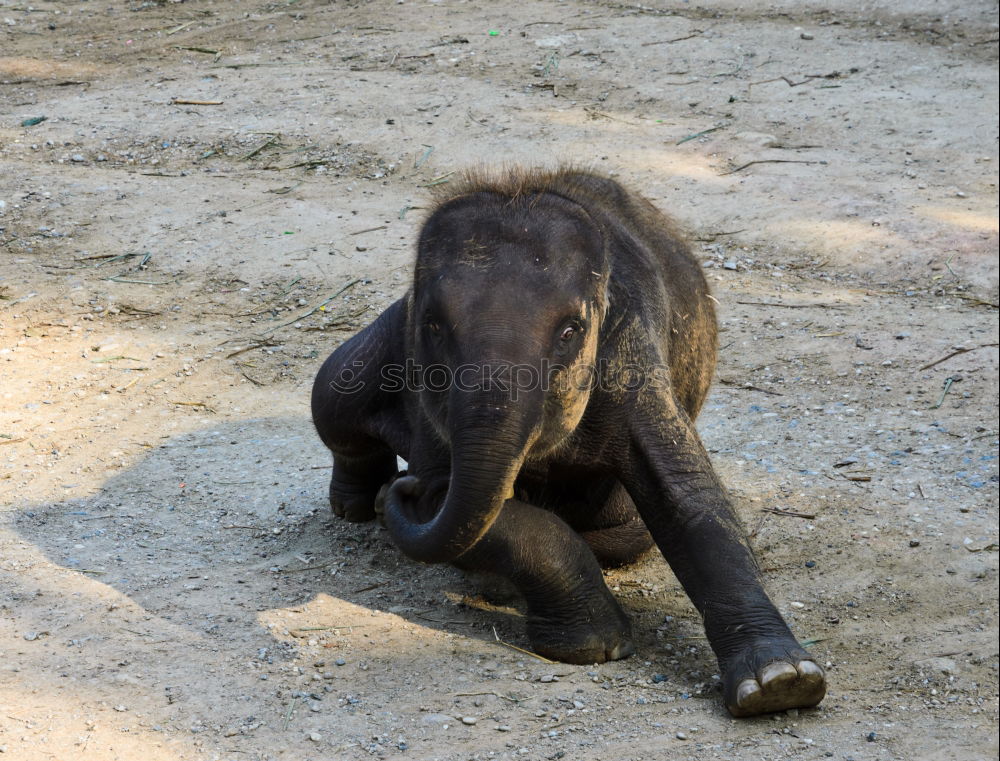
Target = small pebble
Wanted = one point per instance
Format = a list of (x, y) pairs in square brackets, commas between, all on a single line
[(681, 736), (315, 736), (914, 542), (806, 36), (871, 737), (469, 720)]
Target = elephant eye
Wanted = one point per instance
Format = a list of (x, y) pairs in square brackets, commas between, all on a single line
[(434, 328), (570, 332)]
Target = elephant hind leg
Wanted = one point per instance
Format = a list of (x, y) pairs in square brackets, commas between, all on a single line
[(615, 532), (619, 545), (572, 615)]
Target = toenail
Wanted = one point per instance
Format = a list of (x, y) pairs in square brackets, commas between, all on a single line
[(747, 689), (777, 671), (621, 650), (808, 668)]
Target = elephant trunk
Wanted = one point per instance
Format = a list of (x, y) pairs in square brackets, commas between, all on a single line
[(490, 438)]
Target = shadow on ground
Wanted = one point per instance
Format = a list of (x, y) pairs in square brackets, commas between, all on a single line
[(219, 546)]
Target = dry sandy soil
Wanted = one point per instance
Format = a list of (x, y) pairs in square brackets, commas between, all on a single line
[(172, 583)]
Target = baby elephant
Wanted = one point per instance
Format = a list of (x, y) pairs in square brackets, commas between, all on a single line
[(541, 378)]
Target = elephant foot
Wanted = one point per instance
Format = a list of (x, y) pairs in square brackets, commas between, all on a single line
[(593, 633), (355, 505), (353, 496), (772, 676)]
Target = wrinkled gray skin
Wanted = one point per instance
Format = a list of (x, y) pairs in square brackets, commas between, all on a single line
[(544, 276)]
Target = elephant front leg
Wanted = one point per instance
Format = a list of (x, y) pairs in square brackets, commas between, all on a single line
[(572, 615), (678, 494), (359, 420), (356, 483)]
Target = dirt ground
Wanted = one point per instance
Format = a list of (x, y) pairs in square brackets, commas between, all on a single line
[(172, 583)]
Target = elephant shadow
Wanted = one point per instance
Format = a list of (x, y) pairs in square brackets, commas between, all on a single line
[(224, 535)]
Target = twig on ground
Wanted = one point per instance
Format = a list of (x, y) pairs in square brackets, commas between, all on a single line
[(369, 588), (593, 113), (737, 384), (191, 102), (117, 279), (697, 33), (951, 379), (495, 694), (368, 230), (176, 29), (769, 161), (207, 51), (712, 236), (266, 144), (520, 649), (817, 304), (417, 163), (288, 714), (245, 374), (788, 513), (444, 622), (976, 300), (439, 180), (316, 308), (699, 134), (115, 359), (202, 405), (255, 345), (317, 567), (955, 354), (808, 78), (131, 383)]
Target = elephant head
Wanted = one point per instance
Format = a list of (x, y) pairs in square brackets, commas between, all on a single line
[(503, 323)]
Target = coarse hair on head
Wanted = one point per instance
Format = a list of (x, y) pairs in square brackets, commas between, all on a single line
[(514, 182)]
